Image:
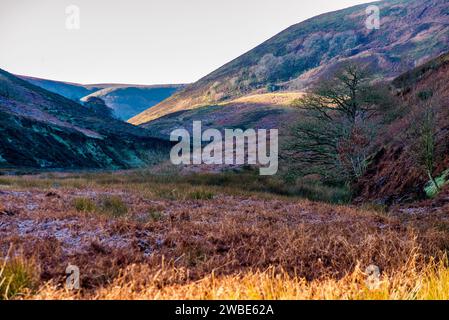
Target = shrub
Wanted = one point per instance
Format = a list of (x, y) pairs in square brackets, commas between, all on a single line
[(425, 95), (113, 206)]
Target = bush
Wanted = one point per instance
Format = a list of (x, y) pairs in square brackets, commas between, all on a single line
[(113, 206), (425, 95)]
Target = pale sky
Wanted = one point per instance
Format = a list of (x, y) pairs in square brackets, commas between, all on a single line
[(141, 41)]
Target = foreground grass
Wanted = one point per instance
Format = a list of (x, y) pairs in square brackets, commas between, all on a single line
[(137, 235), (140, 282), (17, 277)]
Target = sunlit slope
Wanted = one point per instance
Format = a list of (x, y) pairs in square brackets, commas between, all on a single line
[(411, 32)]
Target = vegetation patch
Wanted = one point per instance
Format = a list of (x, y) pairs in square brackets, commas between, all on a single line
[(17, 276), (201, 195), (84, 205), (155, 213), (113, 206)]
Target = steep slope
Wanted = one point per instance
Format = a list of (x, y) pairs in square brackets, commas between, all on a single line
[(125, 100), (394, 174), (411, 32), (41, 129)]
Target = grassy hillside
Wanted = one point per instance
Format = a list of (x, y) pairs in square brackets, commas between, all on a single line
[(41, 129), (412, 31), (263, 111)]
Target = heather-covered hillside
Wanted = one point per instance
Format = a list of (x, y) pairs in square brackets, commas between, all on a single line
[(411, 32)]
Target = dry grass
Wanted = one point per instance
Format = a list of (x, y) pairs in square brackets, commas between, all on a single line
[(18, 276), (171, 185), (84, 205), (139, 282), (271, 99), (185, 238)]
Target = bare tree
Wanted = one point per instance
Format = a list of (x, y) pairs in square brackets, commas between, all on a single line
[(423, 135), (337, 126)]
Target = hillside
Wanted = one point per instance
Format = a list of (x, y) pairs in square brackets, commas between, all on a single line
[(125, 100), (394, 176), (40, 129), (412, 32), (264, 111), (73, 91), (128, 101)]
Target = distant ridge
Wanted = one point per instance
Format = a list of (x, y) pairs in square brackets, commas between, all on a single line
[(41, 129), (126, 100)]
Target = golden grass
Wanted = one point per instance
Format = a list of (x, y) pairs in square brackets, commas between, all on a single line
[(18, 276), (270, 99), (139, 282), (220, 241)]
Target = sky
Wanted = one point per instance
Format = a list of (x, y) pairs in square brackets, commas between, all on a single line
[(140, 41)]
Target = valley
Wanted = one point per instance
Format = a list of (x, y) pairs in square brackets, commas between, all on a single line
[(33, 119), (125, 100), (360, 145)]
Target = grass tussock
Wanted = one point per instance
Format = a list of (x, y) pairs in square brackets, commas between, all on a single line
[(201, 195), (84, 205), (17, 277), (155, 214), (113, 206)]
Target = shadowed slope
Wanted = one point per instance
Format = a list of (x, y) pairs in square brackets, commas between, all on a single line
[(126, 100), (44, 130)]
